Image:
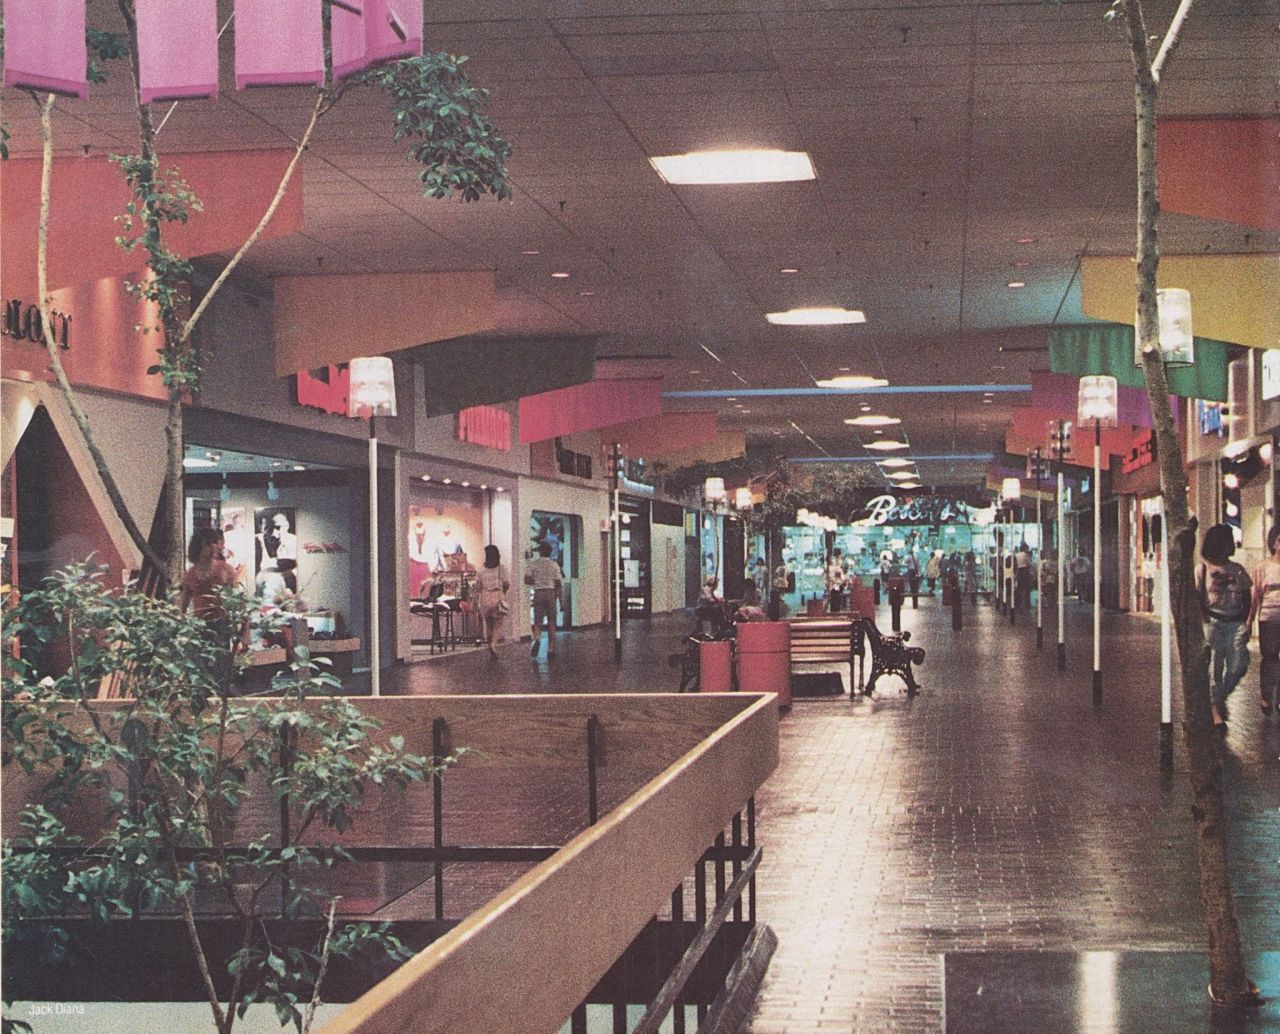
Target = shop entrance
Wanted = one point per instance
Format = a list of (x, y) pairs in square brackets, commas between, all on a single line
[(563, 533)]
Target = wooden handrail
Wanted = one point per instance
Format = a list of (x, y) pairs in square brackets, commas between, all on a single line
[(550, 937)]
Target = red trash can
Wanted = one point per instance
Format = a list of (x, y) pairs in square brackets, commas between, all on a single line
[(715, 667), (764, 659)]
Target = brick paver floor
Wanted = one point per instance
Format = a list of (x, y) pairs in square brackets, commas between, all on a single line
[(997, 811)]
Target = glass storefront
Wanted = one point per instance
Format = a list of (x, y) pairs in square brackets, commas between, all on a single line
[(878, 545)]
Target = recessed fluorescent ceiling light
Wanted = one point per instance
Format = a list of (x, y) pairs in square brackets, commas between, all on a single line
[(872, 420), (901, 475), (816, 316), (853, 381), (908, 484), (747, 166), (198, 461), (898, 462), (887, 445)]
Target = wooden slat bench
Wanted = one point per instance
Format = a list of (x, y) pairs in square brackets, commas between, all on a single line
[(830, 639)]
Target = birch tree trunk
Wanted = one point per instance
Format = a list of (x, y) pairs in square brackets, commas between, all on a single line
[(1229, 982)]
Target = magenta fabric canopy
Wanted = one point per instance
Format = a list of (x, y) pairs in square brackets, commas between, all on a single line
[(279, 43), (44, 46), (386, 30), (177, 49), (588, 407)]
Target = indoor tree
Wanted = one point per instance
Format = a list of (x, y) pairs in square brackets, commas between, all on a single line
[(1229, 981), (433, 105), (168, 772)]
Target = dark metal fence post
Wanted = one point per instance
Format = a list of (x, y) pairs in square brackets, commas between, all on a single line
[(737, 862), (286, 768), (751, 846), (437, 811), (594, 731)]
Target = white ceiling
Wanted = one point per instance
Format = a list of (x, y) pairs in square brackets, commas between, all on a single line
[(941, 133)]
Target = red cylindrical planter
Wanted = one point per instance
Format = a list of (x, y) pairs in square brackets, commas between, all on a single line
[(764, 659), (715, 667)]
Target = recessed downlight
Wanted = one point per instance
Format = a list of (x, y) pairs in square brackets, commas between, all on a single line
[(901, 475), (1028, 240), (448, 481), (816, 316), (733, 166), (865, 409), (531, 251), (908, 484), (853, 381), (886, 445), (560, 275), (1015, 284), (466, 484), (872, 420), (788, 270), (897, 461)]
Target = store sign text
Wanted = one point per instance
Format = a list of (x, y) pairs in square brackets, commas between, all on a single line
[(1143, 453), (328, 396), (1270, 373), (1210, 414), (488, 426), (925, 509), (24, 323)]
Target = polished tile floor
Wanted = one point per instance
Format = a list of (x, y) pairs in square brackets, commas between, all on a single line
[(996, 829)]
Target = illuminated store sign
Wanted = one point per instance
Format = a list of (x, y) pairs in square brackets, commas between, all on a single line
[(329, 395), (1270, 373), (1143, 453), (1210, 416), (488, 426), (923, 509)]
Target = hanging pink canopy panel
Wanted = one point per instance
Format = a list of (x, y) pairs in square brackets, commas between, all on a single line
[(44, 47), (586, 407), (177, 49), (279, 43), (669, 432)]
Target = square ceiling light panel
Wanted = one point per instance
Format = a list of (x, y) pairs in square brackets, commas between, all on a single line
[(745, 166)]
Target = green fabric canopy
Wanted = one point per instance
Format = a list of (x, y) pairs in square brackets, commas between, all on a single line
[(1107, 348)]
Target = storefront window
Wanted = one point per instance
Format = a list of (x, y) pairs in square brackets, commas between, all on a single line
[(563, 533)]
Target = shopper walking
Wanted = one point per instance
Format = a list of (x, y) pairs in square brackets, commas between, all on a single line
[(933, 571), (492, 586), (1224, 589), (1022, 577), (546, 578), (835, 584), (1266, 607)]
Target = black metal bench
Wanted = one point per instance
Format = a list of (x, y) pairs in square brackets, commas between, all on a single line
[(890, 655)]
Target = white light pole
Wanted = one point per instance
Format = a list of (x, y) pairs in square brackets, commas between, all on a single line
[(1059, 449), (1097, 407), (1166, 650), (1177, 348), (1035, 469), (616, 462), (1010, 493), (372, 393)]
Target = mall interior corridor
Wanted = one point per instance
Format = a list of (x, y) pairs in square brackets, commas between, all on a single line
[(991, 855)]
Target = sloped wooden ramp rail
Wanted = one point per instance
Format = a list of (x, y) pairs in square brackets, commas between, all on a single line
[(606, 915)]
